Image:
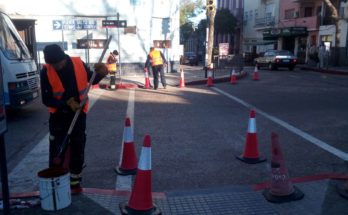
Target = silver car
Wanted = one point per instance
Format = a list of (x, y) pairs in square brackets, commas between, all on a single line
[(273, 59)]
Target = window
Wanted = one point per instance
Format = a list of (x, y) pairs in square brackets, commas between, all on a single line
[(308, 11), (289, 14)]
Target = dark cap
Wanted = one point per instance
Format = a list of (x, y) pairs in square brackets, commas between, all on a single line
[(115, 52), (53, 54)]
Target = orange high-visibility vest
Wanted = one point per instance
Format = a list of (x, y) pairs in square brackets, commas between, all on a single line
[(57, 86), (111, 63), (156, 58)]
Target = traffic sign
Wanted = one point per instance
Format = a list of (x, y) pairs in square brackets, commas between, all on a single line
[(57, 24), (114, 23), (71, 24), (91, 43)]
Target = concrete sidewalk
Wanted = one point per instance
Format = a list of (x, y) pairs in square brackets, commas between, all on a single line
[(320, 197)]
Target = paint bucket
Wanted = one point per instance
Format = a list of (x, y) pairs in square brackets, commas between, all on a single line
[(54, 184)]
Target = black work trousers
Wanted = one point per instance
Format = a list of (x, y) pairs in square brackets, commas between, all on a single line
[(156, 70), (59, 124)]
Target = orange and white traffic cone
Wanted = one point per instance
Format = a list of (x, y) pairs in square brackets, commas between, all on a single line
[(140, 201), (210, 79), (256, 74), (251, 153), (147, 79), (182, 78), (129, 159), (281, 189), (233, 77)]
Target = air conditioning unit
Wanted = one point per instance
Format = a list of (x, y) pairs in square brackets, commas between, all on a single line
[(296, 14)]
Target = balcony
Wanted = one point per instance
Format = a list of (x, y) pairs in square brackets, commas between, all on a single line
[(265, 22), (312, 22)]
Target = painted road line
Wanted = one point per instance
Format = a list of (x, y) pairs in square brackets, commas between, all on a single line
[(124, 183), (306, 136), (23, 177)]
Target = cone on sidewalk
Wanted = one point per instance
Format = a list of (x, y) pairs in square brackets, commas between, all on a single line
[(233, 77), (281, 189), (128, 164), (147, 79), (256, 74), (251, 153), (140, 201), (182, 78), (210, 78)]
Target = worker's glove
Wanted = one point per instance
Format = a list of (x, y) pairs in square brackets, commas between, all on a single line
[(101, 69), (73, 104)]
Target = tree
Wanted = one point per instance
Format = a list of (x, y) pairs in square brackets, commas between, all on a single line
[(211, 20), (333, 6), (225, 21), (188, 9)]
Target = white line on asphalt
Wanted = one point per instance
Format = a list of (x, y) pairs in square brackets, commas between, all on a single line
[(125, 182), (306, 136), (23, 178)]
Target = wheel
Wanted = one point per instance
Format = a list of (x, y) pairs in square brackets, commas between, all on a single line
[(270, 66)]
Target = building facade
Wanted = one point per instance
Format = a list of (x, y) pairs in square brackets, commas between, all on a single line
[(81, 27), (234, 39)]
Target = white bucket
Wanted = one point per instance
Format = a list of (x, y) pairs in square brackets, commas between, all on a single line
[(55, 193)]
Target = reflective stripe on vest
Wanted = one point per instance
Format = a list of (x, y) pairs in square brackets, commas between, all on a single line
[(57, 86), (156, 58)]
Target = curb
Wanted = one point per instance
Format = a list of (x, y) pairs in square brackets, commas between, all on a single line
[(216, 80), (331, 71)]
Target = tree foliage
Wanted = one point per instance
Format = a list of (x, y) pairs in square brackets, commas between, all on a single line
[(188, 9), (225, 21)]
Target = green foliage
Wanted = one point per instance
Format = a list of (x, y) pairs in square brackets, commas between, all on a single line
[(186, 30), (189, 9), (225, 21)]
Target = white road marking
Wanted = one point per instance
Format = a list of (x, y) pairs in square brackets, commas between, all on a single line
[(306, 136), (23, 178), (125, 182)]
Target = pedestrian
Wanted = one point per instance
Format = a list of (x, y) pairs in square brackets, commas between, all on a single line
[(322, 53), (158, 61), (64, 80), (111, 64)]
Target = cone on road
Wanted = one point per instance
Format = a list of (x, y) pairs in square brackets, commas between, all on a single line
[(128, 164), (256, 74), (281, 189), (182, 78), (147, 79), (210, 78), (251, 153), (140, 201), (342, 189), (233, 77)]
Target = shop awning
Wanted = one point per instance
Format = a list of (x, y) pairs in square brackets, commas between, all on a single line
[(274, 33)]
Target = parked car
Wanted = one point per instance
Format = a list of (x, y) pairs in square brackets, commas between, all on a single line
[(190, 58), (273, 59)]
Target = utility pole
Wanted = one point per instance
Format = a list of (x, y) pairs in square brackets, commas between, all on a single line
[(211, 12)]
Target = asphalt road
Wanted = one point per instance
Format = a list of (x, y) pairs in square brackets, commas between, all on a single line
[(197, 131)]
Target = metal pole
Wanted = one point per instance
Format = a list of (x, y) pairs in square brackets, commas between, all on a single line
[(4, 176), (119, 48)]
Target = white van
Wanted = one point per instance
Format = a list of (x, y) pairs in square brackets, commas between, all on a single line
[(20, 72)]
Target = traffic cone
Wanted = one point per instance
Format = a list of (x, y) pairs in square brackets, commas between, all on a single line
[(182, 78), (147, 79), (251, 152), (233, 77), (140, 201), (256, 74), (210, 79), (129, 160), (342, 189), (281, 189)]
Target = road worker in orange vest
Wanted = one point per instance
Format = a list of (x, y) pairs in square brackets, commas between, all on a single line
[(158, 61), (111, 64), (64, 81)]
